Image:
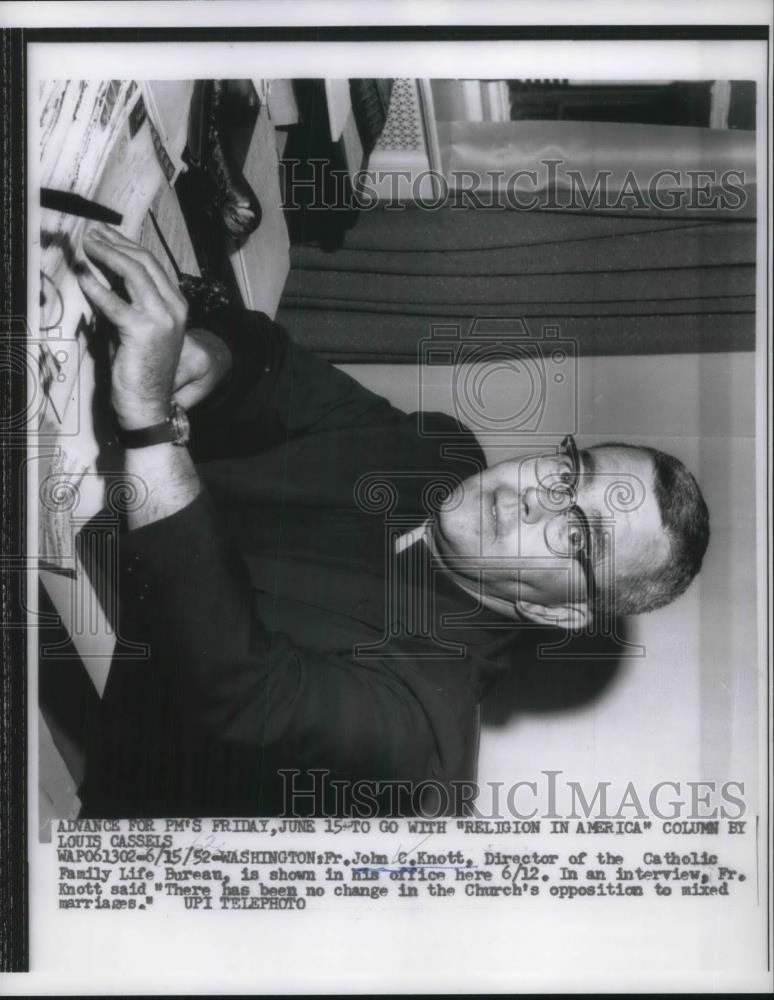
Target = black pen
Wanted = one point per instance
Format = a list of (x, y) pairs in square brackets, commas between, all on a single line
[(75, 204), (178, 273)]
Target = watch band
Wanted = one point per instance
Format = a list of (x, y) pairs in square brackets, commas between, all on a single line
[(174, 430)]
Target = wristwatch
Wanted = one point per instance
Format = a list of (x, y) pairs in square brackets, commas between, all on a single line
[(174, 430)]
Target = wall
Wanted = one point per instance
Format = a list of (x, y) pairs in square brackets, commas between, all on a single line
[(687, 709)]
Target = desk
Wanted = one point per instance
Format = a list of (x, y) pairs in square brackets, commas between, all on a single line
[(119, 143)]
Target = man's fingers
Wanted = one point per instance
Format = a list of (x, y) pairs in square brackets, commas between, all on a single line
[(112, 234), (189, 395), (168, 291), (141, 287), (112, 305)]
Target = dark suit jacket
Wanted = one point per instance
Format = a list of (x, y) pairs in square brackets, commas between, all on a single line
[(282, 632)]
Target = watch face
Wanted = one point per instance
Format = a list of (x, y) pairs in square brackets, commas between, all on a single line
[(180, 424)]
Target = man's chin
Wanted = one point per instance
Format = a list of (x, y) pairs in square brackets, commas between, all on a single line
[(449, 535), (452, 535)]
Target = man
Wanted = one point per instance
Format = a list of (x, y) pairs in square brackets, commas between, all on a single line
[(325, 595)]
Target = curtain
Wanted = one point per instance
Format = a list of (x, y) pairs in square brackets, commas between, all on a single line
[(628, 282)]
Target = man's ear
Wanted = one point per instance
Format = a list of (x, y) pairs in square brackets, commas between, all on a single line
[(570, 616)]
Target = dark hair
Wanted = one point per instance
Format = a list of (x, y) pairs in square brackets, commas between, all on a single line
[(685, 518)]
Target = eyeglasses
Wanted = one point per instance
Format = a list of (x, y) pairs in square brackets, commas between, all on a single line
[(558, 476)]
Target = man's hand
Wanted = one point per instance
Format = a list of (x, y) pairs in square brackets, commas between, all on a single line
[(150, 326), (145, 366), (204, 361)]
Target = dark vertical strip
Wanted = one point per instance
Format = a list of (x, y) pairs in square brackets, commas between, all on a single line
[(14, 938)]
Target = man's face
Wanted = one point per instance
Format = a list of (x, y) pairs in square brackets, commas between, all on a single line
[(507, 525)]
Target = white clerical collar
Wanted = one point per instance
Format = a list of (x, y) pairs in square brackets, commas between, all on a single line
[(403, 542)]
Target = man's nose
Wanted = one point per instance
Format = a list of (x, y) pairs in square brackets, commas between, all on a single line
[(518, 506), (507, 503), (545, 502)]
